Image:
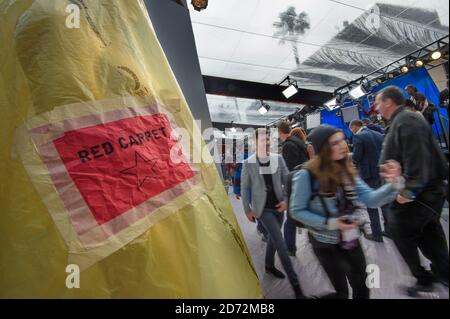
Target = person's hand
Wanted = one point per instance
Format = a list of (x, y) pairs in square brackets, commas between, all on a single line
[(391, 170), (341, 225), (251, 216), (403, 200), (281, 207)]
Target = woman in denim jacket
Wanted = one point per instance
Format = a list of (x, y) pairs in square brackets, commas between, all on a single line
[(333, 228)]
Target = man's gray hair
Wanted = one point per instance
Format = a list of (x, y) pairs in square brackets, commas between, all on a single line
[(394, 93)]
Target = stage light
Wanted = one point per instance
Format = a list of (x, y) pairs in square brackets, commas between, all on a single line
[(404, 69), (199, 5), (332, 104), (357, 92), (419, 63), (264, 108), (233, 127), (436, 55), (290, 91), (391, 76), (223, 135)]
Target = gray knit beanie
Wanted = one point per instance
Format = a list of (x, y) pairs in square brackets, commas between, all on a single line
[(320, 135)]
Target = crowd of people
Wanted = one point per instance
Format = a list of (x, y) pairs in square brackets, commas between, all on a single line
[(324, 185)]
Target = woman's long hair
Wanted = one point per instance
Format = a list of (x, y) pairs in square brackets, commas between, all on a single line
[(330, 173)]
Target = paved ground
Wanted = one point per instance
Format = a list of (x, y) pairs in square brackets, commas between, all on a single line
[(393, 271)]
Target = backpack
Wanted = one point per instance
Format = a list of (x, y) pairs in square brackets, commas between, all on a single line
[(314, 193), (300, 147)]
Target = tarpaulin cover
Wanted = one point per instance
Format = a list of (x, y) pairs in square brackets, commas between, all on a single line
[(90, 172)]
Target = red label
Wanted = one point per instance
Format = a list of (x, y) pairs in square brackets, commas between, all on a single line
[(119, 165)]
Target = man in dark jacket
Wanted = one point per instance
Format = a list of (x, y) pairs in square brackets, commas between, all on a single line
[(373, 126), (414, 95), (414, 218), (294, 149), (294, 153), (367, 145)]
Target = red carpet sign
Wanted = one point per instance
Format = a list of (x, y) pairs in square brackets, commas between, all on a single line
[(110, 170)]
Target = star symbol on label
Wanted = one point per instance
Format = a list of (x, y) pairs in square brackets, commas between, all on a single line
[(143, 169)]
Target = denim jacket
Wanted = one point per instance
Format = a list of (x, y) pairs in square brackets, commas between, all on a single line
[(312, 213)]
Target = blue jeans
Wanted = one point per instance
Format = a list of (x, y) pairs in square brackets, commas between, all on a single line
[(290, 235), (272, 222)]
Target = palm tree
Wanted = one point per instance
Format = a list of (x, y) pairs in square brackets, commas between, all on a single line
[(290, 27)]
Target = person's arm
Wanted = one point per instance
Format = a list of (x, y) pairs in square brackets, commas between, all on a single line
[(289, 152), (245, 188), (358, 149), (284, 178), (374, 198), (299, 204)]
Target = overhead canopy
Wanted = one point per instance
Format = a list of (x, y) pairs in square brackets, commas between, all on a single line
[(226, 109), (322, 43)]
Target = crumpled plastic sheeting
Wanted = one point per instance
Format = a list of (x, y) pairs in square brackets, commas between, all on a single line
[(196, 251)]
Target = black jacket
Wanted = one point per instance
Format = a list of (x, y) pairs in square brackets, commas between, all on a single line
[(376, 128), (367, 146), (294, 152), (410, 141)]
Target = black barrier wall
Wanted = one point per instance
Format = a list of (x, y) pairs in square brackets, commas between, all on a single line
[(173, 27)]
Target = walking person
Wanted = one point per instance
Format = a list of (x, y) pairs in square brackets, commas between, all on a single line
[(367, 145), (414, 218), (264, 175), (294, 153), (323, 198)]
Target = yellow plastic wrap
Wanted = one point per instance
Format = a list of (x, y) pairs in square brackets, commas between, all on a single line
[(183, 243)]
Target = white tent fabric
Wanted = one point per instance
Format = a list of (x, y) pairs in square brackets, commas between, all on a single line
[(324, 45), (245, 111)]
